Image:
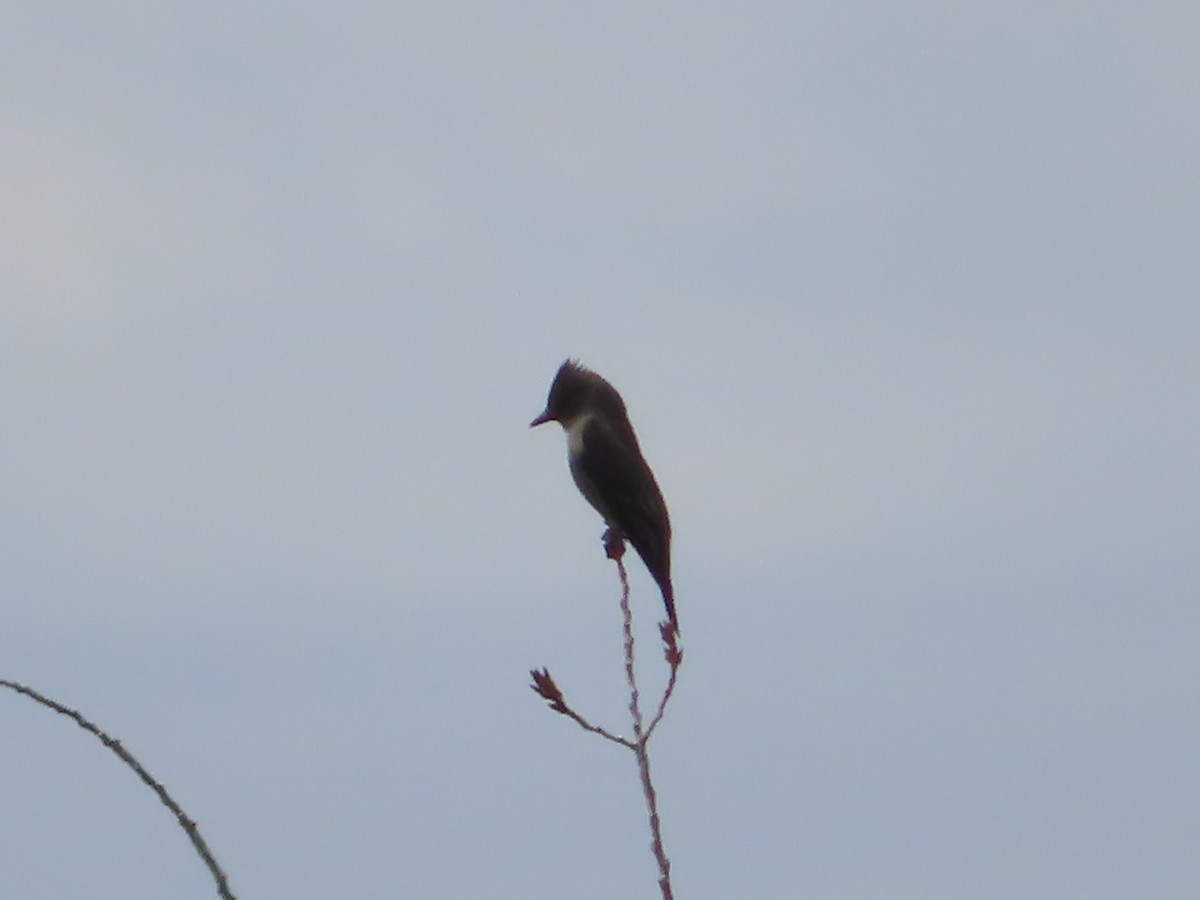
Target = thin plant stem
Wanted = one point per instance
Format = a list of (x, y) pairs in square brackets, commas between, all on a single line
[(186, 823), (641, 739), (544, 685)]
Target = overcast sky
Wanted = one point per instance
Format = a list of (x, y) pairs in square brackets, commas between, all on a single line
[(904, 300)]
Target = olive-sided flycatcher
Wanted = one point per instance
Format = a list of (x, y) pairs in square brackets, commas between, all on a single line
[(609, 469)]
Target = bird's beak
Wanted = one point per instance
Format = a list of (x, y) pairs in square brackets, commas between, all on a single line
[(542, 419)]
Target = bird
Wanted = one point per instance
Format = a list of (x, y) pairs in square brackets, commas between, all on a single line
[(610, 471)]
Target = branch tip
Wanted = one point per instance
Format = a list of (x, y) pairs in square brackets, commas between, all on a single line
[(544, 686)]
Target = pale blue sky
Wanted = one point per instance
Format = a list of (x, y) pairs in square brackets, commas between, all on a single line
[(903, 299)]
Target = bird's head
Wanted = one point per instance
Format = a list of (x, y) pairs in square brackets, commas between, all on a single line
[(570, 394)]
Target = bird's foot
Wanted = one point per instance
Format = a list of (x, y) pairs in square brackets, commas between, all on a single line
[(614, 543)]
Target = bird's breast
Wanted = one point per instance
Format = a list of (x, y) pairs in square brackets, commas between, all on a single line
[(575, 435), (583, 479)]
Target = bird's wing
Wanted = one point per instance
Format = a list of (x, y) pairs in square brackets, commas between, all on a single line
[(625, 489)]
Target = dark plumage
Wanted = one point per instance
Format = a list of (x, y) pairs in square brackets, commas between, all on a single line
[(608, 467)]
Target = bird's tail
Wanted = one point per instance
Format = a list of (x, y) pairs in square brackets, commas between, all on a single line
[(656, 555), (668, 593)]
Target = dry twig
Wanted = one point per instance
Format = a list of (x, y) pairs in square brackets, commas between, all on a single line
[(186, 823), (545, 686)]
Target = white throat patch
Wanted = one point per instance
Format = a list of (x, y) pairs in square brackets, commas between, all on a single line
[(575, 434)]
